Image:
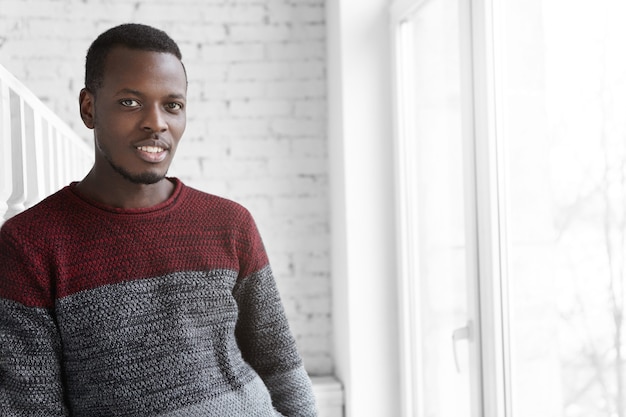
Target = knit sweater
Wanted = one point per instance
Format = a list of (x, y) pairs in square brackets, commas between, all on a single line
[(170, 311)]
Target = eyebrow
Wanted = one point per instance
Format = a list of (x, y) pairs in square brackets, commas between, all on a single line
[(138, 93)]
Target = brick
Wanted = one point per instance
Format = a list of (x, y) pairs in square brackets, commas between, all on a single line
[(319, 3), (259, 108), (216, 186), (259, 33), (316, 305), (238, 89), (314, 109), (308, 32), (200, 71), (268, 148), (307, 69), (296, 13), (238, 127), (207, 109), (207, 14), (252, 186), (247, 13), (303, 288), (199, 33), (241, 52), (30, 8), (286, 51), (301, 205), (310, 148), (297, 88), (297, 127), (185, 166), (304, 166), (258, 71), (297, 186), (233, 169)]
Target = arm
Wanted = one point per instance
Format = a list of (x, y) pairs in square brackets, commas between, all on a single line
[(263, 333), (30, 371), (267, 345), (30, 346)]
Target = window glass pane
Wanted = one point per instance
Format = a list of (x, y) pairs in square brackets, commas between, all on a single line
[(563, 113), (433, 148)]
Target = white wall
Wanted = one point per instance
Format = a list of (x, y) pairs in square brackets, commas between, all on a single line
[(361, 173)]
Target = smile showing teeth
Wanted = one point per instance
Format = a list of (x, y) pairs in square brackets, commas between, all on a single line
[(150, 149)]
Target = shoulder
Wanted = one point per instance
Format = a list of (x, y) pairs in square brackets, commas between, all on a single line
[(218, 208), (27, 242), (40, 218), (234, 221)]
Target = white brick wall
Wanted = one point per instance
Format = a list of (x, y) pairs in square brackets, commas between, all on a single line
[(256, 118)]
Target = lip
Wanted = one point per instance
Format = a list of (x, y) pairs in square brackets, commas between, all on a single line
[(153, 150)]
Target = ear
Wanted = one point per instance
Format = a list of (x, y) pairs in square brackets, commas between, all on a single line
[(86, 102)]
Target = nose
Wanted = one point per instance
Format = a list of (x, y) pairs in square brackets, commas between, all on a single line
[(154, 120)]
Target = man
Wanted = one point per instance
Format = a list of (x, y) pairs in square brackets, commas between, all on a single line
[(130, 294)]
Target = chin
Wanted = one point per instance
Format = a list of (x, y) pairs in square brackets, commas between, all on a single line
[(143, 178)]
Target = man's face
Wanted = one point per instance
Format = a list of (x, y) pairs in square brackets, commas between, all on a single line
[(138, 114)]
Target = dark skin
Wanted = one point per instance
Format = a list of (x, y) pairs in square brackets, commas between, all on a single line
[(138, 117)]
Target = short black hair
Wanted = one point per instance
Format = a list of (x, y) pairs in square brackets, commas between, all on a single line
[(132, 36)]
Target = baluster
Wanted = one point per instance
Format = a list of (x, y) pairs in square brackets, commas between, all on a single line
[(18, 195), (6, 176), (32, 157), (40, 156), (84, 156), (71, 160), (46, 150), (86, 162), (65, 158), (55, 168), (75, 158)]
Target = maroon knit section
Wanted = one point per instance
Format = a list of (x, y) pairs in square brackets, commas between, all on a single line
[(66, 244)]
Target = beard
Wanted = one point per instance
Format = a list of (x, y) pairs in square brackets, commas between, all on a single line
[(141, 178), (144, 178)]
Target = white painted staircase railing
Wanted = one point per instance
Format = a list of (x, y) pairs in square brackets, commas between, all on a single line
[(39, 153)]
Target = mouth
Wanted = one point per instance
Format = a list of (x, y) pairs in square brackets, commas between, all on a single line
[(150, 149), (152, 153)]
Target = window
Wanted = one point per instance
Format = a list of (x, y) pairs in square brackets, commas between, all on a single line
[(511, 151), (564, 134), (434, 238)]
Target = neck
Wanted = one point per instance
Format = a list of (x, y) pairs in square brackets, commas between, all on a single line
[(123, 193)]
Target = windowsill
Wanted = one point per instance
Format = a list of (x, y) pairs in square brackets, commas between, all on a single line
[(328, 393)]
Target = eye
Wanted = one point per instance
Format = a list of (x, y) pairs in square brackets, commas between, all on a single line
[(174, 106), (129, 102)]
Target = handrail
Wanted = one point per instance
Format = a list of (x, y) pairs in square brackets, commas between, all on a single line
[(39, 152)]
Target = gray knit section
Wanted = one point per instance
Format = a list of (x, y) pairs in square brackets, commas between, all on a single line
[(242, 403), (272, 351), (30, 375), (184, 344), (158, 346), (291, 398)]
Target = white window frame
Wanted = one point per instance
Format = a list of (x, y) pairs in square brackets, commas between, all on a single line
[(487, 305), (491, 231)]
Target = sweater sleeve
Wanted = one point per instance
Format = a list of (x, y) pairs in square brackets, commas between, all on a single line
[(30, 346), (265, 339)]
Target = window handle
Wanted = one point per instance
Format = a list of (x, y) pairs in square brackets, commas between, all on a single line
[(462, 333)]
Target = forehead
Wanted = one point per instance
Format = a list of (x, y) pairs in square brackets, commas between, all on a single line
[(139, 70)]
